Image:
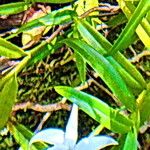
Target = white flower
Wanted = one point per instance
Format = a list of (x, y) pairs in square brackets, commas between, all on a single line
[(67, 140)]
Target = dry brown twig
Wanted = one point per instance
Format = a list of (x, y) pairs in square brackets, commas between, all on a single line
[(111, 9), (41, 108), (59, 105), (44, 119), (143, 70), (88, 83), (139, 56)]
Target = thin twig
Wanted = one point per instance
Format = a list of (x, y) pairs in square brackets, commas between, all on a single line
[(60, 28), (41, 108), (112, 9), (87, 84), (105, 90), (143, 70), (44, 119), (139, 56)]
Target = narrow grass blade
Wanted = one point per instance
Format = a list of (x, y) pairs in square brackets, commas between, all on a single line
[(125, 38), (105, 70), (130, 81), (13, 8), (131, 141), (142, 30), (102, 45), (97, 109), (144, 105), (41, 51), (81, 65), (117, 20), (8, 93)]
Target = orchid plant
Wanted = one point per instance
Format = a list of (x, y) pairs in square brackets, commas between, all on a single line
[(68, 140)]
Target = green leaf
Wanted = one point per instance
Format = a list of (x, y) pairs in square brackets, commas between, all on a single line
[(117, 20), (23, 135), (8, 94), (131, 69), (81, 65), (56, 17), (105, 70), (130, 81), (97, 109), (144, 105), (10, 50), (80, 62), (13, 8), (127, 71), (120, 140), (127, 35), (131, 141), (41, 51), (142, 30), (92, 37), (144, 23)]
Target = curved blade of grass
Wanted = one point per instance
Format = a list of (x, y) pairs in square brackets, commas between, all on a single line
[(143, 28), (144, 23), (101, 44), (131, 82), (125, 38), (10, 50), (41, 51), (80, 62), (131, 141), (144, 105), (97, 109), (8, 93), (105, 70), (13, 8), (130, 69), (91, 36), (81, 65)]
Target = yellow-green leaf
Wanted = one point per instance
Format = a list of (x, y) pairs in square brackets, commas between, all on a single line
[(10, 50), (8, 94), (105, 70), (97, 109)]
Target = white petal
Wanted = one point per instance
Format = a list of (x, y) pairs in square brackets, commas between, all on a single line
[(95, 143), (71, 133), (51, 136), (59, 147)]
